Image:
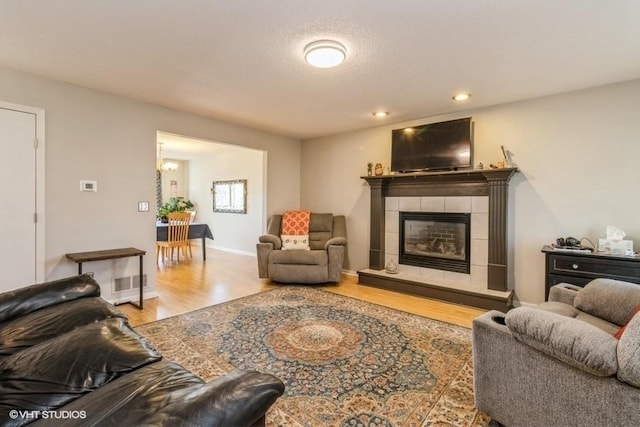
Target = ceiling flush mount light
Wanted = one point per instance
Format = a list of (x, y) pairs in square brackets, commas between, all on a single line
[(325, 53), (380, 114), (461, 96)]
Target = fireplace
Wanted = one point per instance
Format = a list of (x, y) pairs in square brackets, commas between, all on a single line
[(438, 240), (481, 192)]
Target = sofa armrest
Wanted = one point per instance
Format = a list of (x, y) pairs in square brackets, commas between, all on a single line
[(31, 298), (166, 394), (240, 398), (564, 292), (490, 338), (570, 340), (270, 238), (262, 254), (492, 320), (336, 262), (338, 241)]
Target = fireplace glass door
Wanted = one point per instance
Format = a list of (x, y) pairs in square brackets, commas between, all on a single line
[(438, 240)]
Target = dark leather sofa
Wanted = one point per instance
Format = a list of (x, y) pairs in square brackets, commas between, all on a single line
[(69, 358)]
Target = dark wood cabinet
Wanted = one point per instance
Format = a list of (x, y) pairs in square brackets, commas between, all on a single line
[(579, 268)]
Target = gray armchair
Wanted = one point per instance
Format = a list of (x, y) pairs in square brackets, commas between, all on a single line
[(559, 363), (322, 263)]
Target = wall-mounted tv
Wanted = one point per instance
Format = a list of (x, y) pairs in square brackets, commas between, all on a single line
[(434, 146)]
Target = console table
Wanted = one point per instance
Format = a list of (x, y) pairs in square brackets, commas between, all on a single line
[(579, 268), (81, 257)]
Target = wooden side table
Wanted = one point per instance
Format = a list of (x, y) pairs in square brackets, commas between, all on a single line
[(81, 257), (579, 268)]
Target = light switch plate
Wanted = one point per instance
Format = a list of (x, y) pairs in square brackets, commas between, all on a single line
[(143, 206), (88, 185)]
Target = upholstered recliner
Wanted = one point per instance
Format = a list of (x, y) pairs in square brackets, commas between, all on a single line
[(571, 361), (320, 264)]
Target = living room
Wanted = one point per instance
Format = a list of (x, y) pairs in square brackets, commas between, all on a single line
[(574, 144), (559, 141)]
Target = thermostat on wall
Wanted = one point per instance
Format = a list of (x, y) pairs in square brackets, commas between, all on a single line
[(88, 185)]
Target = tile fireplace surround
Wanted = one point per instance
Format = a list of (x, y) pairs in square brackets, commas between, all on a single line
[(483, 194)]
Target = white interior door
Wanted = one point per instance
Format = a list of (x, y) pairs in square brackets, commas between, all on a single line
[(21, 244)]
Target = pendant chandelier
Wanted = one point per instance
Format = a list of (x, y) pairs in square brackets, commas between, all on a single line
[(161, 165)]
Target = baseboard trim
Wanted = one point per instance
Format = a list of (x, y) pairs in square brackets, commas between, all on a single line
[(233, 251)]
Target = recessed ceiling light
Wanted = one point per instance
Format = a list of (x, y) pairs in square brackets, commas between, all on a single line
[(461, 96), (325, 53), (380, 114)]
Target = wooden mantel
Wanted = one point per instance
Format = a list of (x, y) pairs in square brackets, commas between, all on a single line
[(476, 182)]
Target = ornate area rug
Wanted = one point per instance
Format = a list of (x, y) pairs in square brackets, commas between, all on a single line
[(344, 362)]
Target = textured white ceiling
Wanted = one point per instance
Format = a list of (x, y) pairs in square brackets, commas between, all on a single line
[(241, 60), (186, 148)]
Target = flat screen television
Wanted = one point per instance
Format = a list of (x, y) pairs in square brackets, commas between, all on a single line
[(434, 146)]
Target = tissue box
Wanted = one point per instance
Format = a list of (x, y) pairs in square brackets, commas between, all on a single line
[(616, 247)]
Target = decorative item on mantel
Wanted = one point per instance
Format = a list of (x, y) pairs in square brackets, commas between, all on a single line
[(369, 169), (378, 170), (507, 161), (391, 267)]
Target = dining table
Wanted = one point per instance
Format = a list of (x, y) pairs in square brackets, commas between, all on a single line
[(197, 230)]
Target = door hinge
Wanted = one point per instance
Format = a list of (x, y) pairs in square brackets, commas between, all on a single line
[(35, 143), (35, 217)]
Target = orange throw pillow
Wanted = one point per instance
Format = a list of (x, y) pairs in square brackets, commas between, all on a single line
[(296, 223)]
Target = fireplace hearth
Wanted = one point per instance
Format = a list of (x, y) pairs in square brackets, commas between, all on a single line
[(438, 240)]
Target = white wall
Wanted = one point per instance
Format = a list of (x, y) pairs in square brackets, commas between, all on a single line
[(577, 153), (181, 178), (95, 136), (231, 231)]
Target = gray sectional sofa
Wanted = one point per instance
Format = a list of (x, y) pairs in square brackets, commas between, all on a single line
[(559, 363)]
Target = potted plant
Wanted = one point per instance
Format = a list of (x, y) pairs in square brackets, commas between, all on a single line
[(174, 204)]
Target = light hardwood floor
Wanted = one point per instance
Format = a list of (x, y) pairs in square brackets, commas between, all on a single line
[(225, 276)]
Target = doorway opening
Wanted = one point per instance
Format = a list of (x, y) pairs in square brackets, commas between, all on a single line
[(188, 167)]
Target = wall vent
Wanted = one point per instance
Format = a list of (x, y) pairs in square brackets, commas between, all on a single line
[(123, 284), (135, 281)]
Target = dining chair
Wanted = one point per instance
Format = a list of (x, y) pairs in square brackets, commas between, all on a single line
[(193, 219), (177, 237)]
